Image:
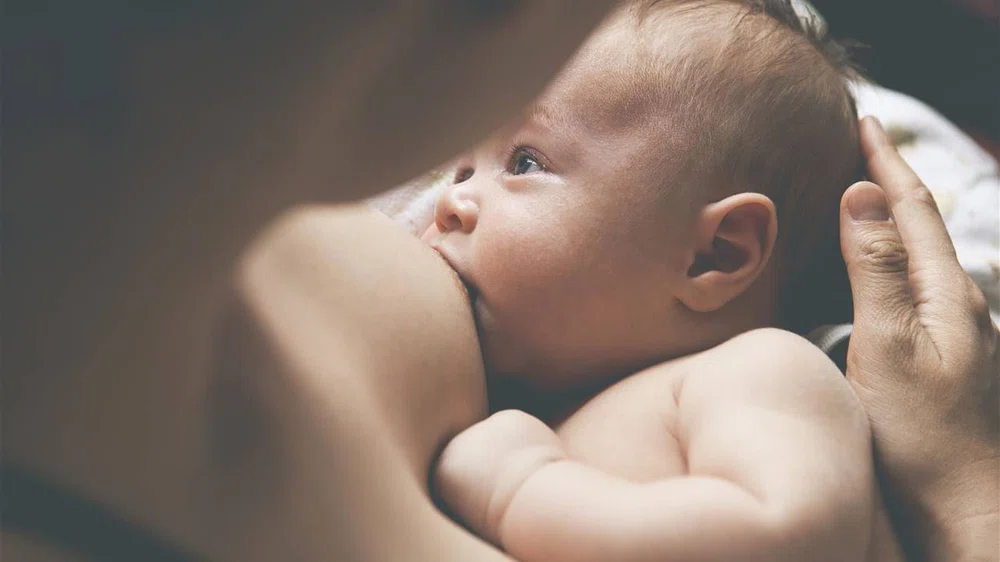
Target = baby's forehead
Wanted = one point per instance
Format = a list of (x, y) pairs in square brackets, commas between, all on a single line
[(627, 74), (602, 86)]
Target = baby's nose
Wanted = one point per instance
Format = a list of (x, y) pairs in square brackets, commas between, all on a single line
[(457, 208)]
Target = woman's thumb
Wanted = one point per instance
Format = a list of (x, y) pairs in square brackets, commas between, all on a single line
[(875, 255)]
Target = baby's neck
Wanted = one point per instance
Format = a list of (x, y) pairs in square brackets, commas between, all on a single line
[(755, 309), (550, 405)]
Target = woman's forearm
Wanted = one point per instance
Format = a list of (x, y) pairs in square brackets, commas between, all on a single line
[(972, 539)]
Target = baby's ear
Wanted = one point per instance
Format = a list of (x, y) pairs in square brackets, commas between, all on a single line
[(734, 239)]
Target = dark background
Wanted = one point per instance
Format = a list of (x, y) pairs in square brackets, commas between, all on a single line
[(943, 52)]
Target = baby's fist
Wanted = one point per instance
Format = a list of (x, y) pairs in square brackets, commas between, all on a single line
[(481, 470)]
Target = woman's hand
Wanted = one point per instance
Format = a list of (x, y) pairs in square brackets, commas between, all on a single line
[(923, 360)]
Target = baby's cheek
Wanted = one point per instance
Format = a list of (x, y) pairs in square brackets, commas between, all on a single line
[(525, 268), (535, 289)]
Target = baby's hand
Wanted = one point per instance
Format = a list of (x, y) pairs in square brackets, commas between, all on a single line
[(482, 469)]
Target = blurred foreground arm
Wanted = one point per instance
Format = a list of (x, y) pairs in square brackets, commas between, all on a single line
[(146, 145)]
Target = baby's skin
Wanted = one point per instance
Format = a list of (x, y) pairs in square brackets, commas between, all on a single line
[(754, 450), (595, 244)]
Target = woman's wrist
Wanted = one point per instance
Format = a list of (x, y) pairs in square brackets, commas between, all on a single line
[(970, 539), (958, 518)]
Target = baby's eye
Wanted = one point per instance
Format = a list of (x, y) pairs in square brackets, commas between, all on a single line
[(522, 162), (463, 174)]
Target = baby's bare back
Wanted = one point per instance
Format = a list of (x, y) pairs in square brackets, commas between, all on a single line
[(641, 428), (630, 429), (756, 449)]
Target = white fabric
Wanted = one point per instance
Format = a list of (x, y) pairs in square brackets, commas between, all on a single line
[(412, 205), (830, 336)]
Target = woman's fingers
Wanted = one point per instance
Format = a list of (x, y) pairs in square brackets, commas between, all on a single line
[(933, 265), (913, 207), (878, 264)]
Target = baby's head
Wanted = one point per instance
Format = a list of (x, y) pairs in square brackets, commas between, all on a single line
[(678, 183)]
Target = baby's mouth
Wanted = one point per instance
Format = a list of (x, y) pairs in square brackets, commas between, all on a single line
[(470, 289)]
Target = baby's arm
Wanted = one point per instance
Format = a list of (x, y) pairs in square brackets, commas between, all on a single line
[(779, 469)]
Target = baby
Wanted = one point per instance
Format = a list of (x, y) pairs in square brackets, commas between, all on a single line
[(667, 204)]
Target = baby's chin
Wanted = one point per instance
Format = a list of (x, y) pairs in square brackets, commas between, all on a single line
[(504, 361), (536, 370), (515, 383), (508, 361), (513, 352)]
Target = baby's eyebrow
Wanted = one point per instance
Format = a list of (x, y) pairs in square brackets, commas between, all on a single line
[(545, 115), (556, 130)]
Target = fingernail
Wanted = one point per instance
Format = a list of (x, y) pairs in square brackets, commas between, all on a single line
[(866, 202), (879, 128)]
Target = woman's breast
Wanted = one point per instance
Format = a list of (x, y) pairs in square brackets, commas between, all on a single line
[(628, 430)]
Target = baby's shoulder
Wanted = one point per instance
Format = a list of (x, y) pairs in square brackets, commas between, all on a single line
[(770, 348), (766, 367)]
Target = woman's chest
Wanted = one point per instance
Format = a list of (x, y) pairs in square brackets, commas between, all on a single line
[(629, 430)]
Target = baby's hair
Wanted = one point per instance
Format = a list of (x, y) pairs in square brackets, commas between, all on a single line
[(765, 105)]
